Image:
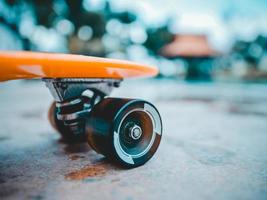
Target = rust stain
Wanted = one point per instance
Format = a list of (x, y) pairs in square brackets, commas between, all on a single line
[(89, 171)]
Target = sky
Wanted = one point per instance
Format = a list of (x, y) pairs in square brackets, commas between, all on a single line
[(222, 20)]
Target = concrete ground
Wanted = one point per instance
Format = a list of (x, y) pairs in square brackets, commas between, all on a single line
[(214, 146)]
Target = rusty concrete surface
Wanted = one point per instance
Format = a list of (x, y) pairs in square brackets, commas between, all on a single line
[(214, 146)]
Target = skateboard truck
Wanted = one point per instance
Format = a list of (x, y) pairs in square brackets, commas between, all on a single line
[(76, 97), (70, 88), (74, 100), (125, 130)]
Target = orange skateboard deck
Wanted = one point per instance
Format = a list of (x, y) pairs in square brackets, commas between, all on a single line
[(28, 65)]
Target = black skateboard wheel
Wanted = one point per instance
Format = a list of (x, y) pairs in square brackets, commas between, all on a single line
[(127, 131), (69, 134)]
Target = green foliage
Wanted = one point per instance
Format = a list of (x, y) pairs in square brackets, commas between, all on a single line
[(157, 38)]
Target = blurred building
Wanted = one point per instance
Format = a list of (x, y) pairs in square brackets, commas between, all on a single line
[(196, 51)]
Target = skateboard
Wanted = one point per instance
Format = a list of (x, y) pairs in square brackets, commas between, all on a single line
[(127, 131)]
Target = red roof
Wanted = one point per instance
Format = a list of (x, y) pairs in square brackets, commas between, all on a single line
[(189, 45)]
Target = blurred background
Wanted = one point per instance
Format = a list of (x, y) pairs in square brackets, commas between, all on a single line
[(186, 39), (211, 92)]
